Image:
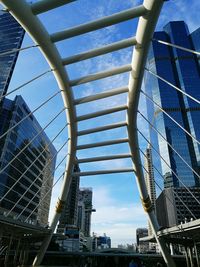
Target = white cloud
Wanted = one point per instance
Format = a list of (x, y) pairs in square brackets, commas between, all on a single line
[(117, 220)]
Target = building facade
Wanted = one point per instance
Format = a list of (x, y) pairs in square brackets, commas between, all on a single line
[(171, 206), (11, 37), (150, 182), (69, 215), (30, 172), (100, 242), (181, 69), (85, 210), (142, 246)]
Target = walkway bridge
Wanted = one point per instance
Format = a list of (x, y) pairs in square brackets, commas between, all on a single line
[(87, 122)]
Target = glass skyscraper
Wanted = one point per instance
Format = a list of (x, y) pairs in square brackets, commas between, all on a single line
[(29, 173), (33, 168), (11, 37), (182, 70)]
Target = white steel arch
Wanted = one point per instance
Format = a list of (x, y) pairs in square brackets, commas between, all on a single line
[(144, 34), (148, 13)]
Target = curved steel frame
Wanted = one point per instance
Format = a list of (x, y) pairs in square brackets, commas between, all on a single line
[(25, 16), (145, 29)]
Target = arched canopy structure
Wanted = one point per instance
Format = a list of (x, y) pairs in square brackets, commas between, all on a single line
[(148, 13)]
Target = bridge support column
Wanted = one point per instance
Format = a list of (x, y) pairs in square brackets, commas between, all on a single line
[(17, 252), (197, 255), (171, 248), (191, 256), (8, 251), (187, 257), (161, 241)]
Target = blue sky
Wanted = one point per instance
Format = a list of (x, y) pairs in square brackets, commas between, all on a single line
[(115, 197)]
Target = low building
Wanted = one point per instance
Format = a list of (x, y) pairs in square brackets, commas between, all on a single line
[(142, 247), (171, 205), (100, 242)]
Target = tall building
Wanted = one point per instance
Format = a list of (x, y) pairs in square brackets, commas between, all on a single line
[(11, 37), (69, 215), (33, 168), (85, 210), (180, 68), (149, 180)]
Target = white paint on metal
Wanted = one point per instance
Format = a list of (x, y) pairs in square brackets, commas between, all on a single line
[(100, 75), (105, 143), (102, 128), (101, 113), (102, 158), (150, 12), (100, 172), (144, 34), (105, 94), (100, 51), (23, 13)]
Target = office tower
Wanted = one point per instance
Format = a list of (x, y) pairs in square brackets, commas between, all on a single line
[(180, 68), (11, 37), (85, 210), (70, 212), (32, 169), (149, 180)]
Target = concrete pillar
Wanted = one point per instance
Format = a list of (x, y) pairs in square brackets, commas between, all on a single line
[(17, 252), (187, 257), (196, 254), (191, 256), (171, 248), (8, 251)]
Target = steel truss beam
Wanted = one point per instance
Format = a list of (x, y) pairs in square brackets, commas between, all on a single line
[(105, 143), (102, 128), (100, 23), (99, 51), (101, 113), (89, 173), (105, 94), (100, 75), (102, 158)]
